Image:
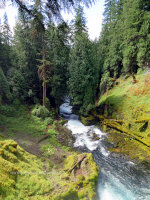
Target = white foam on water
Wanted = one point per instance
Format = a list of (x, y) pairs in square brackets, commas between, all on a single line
[(107, 196), (113, 189), (98, 132), (131, 163), (104, 152), (84, 134), (65, 108)]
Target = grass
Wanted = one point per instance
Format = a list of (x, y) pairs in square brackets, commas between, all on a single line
[(24, 176), (129, 102), (22, 121), (28, 177), (128, 98)]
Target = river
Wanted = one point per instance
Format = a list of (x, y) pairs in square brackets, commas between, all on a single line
[(119, 178)]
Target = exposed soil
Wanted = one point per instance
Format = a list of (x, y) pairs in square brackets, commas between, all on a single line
[(26, 141), (33, 144)]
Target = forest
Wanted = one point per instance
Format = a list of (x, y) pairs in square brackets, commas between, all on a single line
[(74, 65), (45, 59)]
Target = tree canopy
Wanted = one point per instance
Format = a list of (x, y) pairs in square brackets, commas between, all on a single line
[(79, 67)]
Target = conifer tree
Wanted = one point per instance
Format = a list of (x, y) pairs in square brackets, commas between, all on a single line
[(58, 51), (124, 44), (82, 69), (5, 37), (23, 75)]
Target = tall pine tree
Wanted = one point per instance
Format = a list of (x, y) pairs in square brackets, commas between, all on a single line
[(82, 68)]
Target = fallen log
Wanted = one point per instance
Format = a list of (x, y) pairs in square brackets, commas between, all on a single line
[(77, 163), (142, 121), (124, 130)]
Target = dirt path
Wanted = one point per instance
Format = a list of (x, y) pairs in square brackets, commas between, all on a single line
[(26, 141)]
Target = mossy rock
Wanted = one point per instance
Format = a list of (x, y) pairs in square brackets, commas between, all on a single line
[(23, 176), (85, 182), (19, 170), (95, 137), (88, 120)]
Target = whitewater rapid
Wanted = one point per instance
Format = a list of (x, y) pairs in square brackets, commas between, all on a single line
[(119, 178)]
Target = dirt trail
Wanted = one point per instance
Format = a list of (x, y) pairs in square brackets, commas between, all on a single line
[(26, 141)]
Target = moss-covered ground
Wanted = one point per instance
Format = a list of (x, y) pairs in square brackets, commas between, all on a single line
[(45, 175), (126, 112)]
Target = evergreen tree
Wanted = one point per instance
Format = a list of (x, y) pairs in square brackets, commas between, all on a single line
[(5, 95), (143, 54), (23, 75), (132, 17), (5, 47), (58, 50), (110, 44), (82, 71), (124, 43)]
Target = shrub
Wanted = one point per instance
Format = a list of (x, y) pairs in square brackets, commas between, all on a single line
[(48, 149), (89, 108), (52, 132), (106, 83), (7, 110), (16, 102), (140, 71), (48, 121), (40, 111)]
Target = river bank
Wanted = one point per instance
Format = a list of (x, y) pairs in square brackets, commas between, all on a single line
[(36, 168), (119, 177), (124, 113)]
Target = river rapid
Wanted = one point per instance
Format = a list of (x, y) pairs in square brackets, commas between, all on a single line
[(119, 178)]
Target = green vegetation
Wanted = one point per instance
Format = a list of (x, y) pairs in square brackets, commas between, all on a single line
[(83, 72), (45, 176), (124, 42), (20, 119), (107, 81), (20, 172), (126, 110)]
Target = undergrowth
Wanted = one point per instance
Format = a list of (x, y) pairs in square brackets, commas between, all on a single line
[(21, 120), (129, 104), (28, 177)]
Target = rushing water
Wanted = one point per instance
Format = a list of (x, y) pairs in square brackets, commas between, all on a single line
[(119, 179)]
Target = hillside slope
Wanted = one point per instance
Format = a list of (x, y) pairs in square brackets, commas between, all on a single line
[(35, 168), (126, 109), (124, 113)]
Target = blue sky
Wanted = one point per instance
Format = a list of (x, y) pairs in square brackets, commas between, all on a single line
[(94, 16)]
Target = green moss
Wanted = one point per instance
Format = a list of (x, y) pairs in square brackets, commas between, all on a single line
[(48, 150), (24, 176), (70, 161), (70, 194), (22, 173), (87, 120), (129, 103)]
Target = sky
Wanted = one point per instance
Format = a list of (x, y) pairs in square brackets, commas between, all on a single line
[(94, 16)]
